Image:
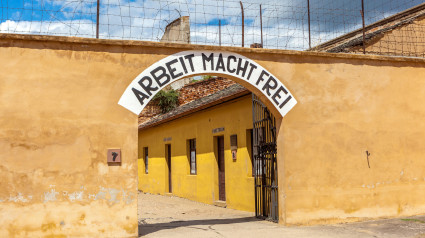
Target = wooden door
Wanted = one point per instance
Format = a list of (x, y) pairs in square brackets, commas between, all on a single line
[(221, 169)]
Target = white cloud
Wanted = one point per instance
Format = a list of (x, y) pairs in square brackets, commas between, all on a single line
[(84, 28), (284, 22)]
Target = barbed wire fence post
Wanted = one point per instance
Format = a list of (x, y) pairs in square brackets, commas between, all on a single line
[(363, 29), (261, 26), (309, 24), (97, 19), (243, 24), (219, 32)]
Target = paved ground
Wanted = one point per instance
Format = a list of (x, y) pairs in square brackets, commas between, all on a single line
[(164, 216)]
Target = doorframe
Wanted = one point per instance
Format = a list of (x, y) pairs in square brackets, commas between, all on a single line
[(217, 168)]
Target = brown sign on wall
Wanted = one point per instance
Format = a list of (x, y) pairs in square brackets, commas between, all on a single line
[(114, 156)]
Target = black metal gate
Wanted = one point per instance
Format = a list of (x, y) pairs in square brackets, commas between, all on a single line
[(265, 161)]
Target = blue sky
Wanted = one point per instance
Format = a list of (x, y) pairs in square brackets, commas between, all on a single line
[(284, 22), (38, 10)]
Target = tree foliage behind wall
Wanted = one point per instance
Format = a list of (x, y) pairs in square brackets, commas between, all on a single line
[(167, 100)]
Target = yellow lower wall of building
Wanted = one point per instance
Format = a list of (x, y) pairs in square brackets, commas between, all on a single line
[(203, 186)]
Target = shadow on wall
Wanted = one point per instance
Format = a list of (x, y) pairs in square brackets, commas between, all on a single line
[(145, 229)]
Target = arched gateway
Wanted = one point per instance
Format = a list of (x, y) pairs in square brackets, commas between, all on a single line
[(191, 63), (244, 71)]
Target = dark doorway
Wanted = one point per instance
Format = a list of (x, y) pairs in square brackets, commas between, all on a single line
[(221, 169), (265, 161), (168, 157)]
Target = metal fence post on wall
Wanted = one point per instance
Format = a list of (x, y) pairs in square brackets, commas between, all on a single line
[(364, 41), (309, 31), (219, 32), (261, 26), (97, 20), (243, 25)]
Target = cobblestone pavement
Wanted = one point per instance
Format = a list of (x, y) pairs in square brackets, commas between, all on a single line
[(166, 216)]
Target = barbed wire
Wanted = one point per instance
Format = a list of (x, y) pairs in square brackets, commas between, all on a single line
[(290, 24)]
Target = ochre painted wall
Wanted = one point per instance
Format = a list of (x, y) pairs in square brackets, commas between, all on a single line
[(345, 110), (203, 186), (59, 114)]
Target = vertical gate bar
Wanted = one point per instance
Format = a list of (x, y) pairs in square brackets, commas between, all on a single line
[(258, 161), (266, 168), (266, 160), (263, 164), (268, 165), (254, 153)]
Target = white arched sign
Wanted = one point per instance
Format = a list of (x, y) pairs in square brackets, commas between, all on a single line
[(186, 63)]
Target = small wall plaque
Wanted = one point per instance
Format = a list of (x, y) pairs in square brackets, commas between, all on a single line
[(216, 130), (234, 154), (167, 139), (114, 156)]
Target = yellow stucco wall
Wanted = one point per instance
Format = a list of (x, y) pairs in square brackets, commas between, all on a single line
[(59, 114), (351, 109), (203, 186)]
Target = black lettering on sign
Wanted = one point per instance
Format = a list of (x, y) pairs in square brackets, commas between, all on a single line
[(286, 101), (171, 69), (139, 95), (210, 58), (220, 63), (146, 84), (189, 57), (231, 57), (253, 66), (240, 68), (114, 155), (278, 95), (270, 84), (260, 78), (163, 74), (183, 64)]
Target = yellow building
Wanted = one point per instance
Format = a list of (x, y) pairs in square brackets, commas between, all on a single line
[(187, 152)]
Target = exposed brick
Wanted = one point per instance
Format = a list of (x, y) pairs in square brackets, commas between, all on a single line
[(189, 93)]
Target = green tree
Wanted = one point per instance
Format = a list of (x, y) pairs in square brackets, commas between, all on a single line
[(167, 100)]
